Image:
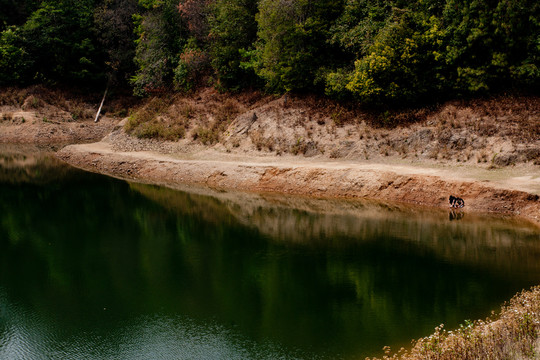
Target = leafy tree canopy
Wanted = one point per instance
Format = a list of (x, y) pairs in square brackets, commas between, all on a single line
[(383, 52)]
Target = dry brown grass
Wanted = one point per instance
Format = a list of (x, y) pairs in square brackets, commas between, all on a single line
[(339, 113), (64, 104), (511, 117), (501, 131), (10, 96), (205, 135), (202, 116), (512, 334), (261, 142), (222, 114), (8, 116), (458, 131), (300, 147), (157, 119)]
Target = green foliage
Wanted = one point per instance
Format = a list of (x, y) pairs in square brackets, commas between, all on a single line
[(183, 76), (405, 63), (336, 83), (115, 33), (493, 45), (233, 31), (56, 43), (58, 37), (14, 60), (151, 4), (161, 36), (191, 65), (292, 45), (380, 52), (426, 50), (359, 24)]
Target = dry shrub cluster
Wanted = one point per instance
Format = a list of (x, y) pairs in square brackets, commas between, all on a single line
[(222, 115), (10, 96), (37, 97), (158, 119), (261, 142), (513, 334), (510, 117), (119, 104), (300, 147), (323, 109), (340, 113), (204, 116), (501, 131), (8, 116), (72, 103), (251, 99)]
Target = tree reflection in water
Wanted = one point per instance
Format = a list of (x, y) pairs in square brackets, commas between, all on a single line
[(86, 254)]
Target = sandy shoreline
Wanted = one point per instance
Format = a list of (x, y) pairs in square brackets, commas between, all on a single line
[(485, 151), (506, 194)]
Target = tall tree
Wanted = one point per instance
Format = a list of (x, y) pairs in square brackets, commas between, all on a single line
[(361, 20), (292, 46), (115, 33), (161, 36), (193, 59), (233, 31), (57, 44), (405, 63), (493, 44)]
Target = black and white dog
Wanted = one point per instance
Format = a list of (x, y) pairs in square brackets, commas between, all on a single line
[(456, 202)]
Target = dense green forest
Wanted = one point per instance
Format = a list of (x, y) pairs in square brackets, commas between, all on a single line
[(369, 51)]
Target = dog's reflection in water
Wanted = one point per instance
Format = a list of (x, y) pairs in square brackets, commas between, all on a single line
[(455, 215)]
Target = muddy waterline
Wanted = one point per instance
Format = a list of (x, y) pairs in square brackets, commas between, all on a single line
[(97, 268)]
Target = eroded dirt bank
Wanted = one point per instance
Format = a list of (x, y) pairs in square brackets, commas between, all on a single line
[(50, 117), (316, 178), (41, 131), (486, 151)]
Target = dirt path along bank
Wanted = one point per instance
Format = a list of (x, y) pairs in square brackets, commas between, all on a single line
[(325, 179)]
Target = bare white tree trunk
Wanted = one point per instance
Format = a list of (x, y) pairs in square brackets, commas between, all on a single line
[(101, 105)]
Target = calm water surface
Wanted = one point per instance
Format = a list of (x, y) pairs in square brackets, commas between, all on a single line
[(96, 268)]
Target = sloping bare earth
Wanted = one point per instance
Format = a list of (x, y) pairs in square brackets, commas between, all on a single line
[(486, 151), (50, 117), (28, 127), (511, 191)]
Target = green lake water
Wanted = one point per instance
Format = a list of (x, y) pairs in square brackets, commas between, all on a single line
[(97, 268)]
